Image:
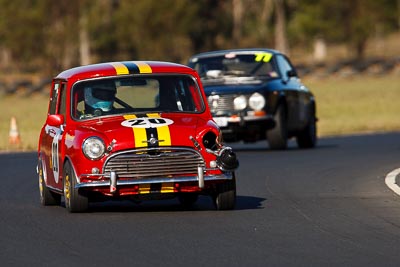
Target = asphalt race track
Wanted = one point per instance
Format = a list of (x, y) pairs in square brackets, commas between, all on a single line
[(328, 206)]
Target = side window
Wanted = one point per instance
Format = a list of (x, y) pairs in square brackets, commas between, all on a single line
[(54, 97), (284, 67), (58, 94), (62, 108)]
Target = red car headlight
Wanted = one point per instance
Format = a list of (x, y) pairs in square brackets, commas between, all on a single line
[(93, 148)]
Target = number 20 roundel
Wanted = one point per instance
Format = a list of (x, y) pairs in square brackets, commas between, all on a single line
[(147, 122)]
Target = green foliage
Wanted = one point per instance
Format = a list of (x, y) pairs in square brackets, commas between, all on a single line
[(46, 34), (18, 21), (352, 22)]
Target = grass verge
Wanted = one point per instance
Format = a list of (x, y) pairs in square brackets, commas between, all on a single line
[(360, 104), (30, 113), (352, 105)]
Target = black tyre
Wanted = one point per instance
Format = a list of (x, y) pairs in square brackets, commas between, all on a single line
[(188, 199), (225, 195), (74, 201), (277, 137), (47, 197), (307, 138)]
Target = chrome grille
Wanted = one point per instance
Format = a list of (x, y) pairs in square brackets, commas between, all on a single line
[(221, 103), (155, 162)]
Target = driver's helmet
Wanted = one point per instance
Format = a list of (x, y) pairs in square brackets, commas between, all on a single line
[(100, 96)]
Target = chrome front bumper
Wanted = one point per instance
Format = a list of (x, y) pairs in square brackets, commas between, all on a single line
[(114, 182)]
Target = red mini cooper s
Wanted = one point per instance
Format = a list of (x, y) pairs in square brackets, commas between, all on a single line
[(138, 130)]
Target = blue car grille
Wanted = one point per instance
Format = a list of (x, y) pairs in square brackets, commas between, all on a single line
[(221, 103)]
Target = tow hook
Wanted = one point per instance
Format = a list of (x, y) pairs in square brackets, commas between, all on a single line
[(200, 174), (113, 182)]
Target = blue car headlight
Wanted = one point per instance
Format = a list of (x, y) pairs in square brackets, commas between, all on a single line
[(257, 101), (240, 102)]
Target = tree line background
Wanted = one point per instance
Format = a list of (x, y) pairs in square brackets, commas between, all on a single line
[(47, 36)]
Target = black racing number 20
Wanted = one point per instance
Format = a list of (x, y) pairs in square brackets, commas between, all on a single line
[(147, 122)]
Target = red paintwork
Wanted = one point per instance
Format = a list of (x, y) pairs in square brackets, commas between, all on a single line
[(109, 128)]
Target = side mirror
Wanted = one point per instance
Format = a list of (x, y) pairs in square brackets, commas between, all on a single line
[(55, 120), (292, 73)]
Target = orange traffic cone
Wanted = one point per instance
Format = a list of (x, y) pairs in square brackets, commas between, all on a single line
[(14, 138)]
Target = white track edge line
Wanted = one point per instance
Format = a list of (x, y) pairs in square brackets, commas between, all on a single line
[(390, 181)]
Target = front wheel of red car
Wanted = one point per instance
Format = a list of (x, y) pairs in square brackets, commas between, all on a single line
[(225, 195), (47, 198), (74, 201)]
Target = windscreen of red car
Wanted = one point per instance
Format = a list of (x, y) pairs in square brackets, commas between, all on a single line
[(109, 96)]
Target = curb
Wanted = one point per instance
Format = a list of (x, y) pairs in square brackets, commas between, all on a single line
[(390, 181)]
